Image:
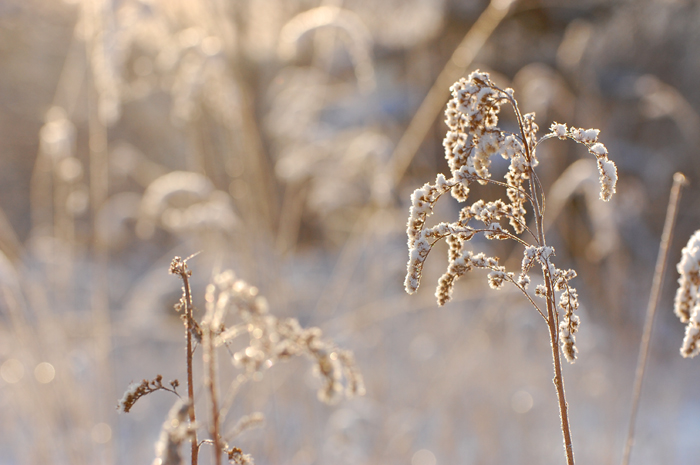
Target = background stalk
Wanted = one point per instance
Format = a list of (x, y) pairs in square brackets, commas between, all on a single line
[(669, 224), (210, 363)]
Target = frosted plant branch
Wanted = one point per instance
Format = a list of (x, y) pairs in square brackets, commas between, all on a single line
[(473, 137), (233, 302)]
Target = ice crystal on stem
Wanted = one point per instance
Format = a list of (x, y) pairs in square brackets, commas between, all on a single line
[(473, 137)]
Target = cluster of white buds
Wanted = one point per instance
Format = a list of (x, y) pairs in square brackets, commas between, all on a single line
[(687, 303), (567, 298), (472, 139), (606, 168)]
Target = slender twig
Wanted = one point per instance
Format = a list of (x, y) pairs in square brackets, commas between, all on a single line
[(210, 381), (524, 291), (553, 324), (552, 314), (179, 267), (671, 213)]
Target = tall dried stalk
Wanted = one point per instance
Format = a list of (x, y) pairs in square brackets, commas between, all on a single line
[(212, 322), (473, 138), (659, 272), (179, 267)]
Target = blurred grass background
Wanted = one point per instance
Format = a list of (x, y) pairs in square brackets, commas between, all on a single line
[(264, 133)]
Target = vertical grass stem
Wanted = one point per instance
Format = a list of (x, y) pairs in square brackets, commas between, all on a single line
[(671, 213)]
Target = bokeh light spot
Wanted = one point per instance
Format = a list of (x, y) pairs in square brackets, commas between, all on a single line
[(44, 372), (101, 433), (521, 402), (423, 457), (12, 371)]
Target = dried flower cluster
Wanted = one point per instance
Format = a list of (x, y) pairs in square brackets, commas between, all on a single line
[(687, 304), (137, 390), (272, 339), (472, 139), (237, 457), (233, 309)]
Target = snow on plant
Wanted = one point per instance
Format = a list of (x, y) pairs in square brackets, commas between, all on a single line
[(270, 340), (687, 304), (472, 139)]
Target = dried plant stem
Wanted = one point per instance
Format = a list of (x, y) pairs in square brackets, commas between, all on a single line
[(210, 381), (190, 385), (552, 323), (473, 138), (671, 213), (98, 145)]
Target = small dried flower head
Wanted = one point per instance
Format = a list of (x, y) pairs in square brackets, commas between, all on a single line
[(498, 277), (541, 291), (559, 130), (585, 136), (523, 281), (179, 267), (137, 390), (133, 392), (567, 342), (237, 457)]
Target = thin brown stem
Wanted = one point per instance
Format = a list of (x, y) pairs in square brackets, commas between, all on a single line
[(552, 323), (210, 381), (184, 273), (669, 224), (552, 314), (524, 291)]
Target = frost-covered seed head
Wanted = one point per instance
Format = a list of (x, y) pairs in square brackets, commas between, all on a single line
[(472, 139)]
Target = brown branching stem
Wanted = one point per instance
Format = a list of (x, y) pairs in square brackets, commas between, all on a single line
[(552, 323), (184, 273), (553, 326)]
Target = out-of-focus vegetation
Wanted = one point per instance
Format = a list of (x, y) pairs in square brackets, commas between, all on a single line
[(264, 133)]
